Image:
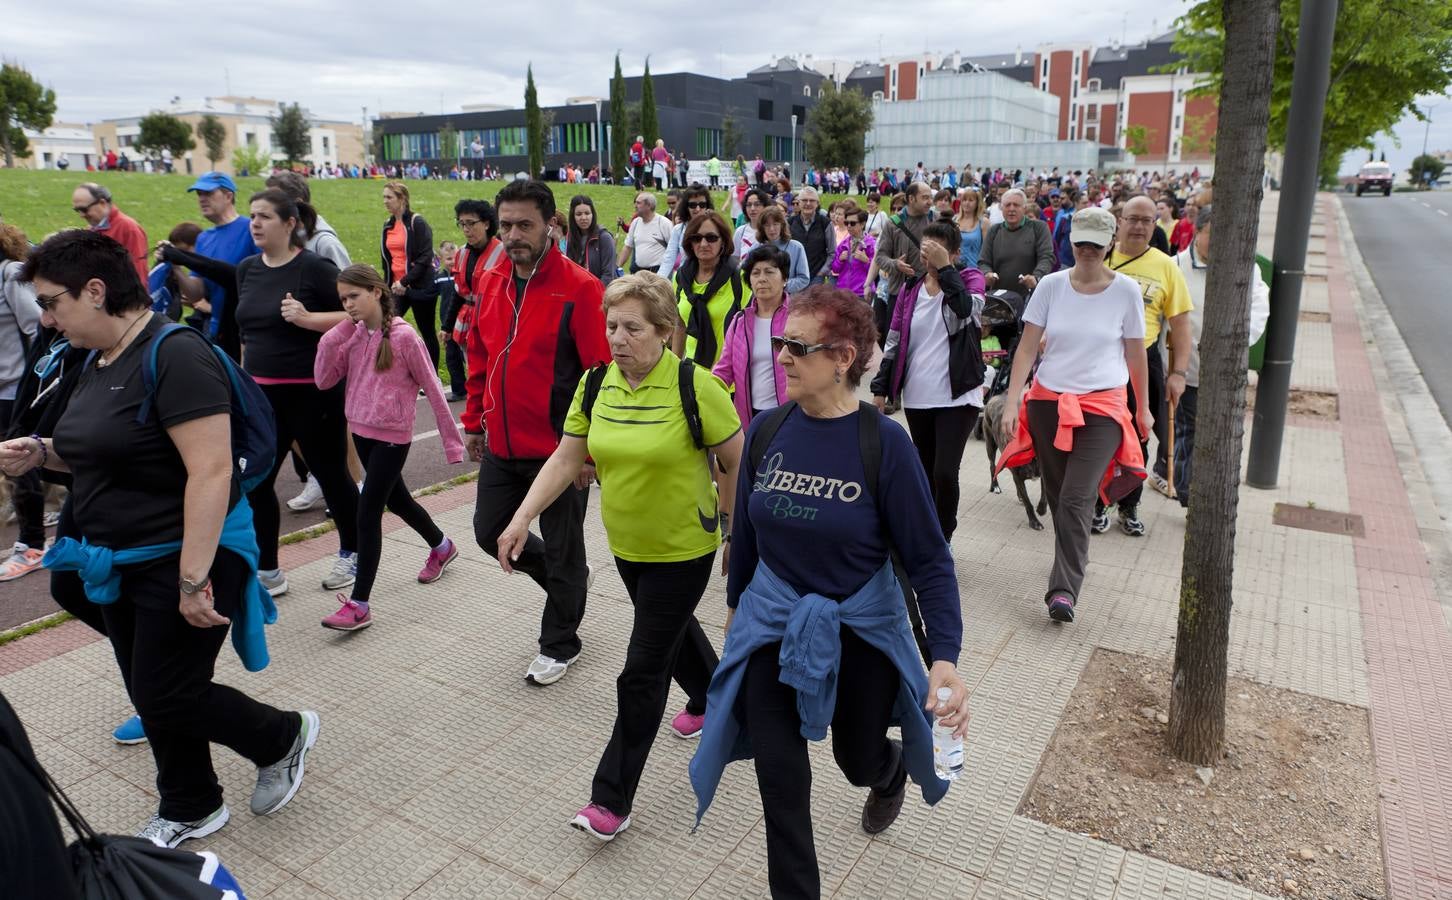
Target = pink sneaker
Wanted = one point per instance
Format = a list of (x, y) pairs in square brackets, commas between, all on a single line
[(439, 558), (687, 725), (600, 822), (351, 616)]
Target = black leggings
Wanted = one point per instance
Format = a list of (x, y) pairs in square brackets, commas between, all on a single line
[(424, 307), (383, 485), (866, 691), (940, 434), (314, 419), (666, 641)]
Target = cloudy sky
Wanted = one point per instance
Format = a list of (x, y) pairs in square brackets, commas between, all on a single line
[(335, 57)]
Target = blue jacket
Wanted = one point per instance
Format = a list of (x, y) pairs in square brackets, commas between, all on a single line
[(97, 567), (811, 654)]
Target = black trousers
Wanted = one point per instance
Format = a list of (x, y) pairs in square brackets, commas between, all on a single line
[(455, 361), (167, 665), (1071, 485), (866, 690), (66, 588), (940, 434), (1185, 442), (425, 309), (666, 642), (556, 562), (478, 169), (383, 486), (27, 494), (315, 420)]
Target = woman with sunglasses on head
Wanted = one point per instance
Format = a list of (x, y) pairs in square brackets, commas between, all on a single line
[(932, 364), (853, 256), (586, 243), (748, 364), (812, 594), (1074, 417), (710, 291)]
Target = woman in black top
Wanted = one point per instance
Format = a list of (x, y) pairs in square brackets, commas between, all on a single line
[(415, 289), (286, 298), (162, 491), (587, 244)]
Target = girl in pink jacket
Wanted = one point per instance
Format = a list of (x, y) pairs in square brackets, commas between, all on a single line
[(385, 363)]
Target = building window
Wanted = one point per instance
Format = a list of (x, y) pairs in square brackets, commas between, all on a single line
[(1094, 84), (765, 111), (801, 113), (1177, 123), (1045, 76), (708, 142), (1091, 114), (325, 144), (1077, 60), (251, 139), (778, 148), (806, 90), (1179, 96)]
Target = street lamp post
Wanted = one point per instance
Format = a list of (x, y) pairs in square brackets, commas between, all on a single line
[(599, 142), (1425, 133), (794, 148)]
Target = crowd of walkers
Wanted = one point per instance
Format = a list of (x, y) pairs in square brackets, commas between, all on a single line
[(707, 372)]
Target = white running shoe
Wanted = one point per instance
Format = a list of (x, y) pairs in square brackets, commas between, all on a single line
[(345, 572), (547, 670), (166, 833), (311, 496)]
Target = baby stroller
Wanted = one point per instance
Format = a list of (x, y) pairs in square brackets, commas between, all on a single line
[(1002, 325)]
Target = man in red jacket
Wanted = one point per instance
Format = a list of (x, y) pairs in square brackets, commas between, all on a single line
[(538, 328), (95, 204)]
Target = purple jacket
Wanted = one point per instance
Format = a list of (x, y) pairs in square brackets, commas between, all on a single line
[(851, 274), (963, 291), (734, 365)]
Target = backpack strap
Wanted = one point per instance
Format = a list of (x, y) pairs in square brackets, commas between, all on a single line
[(692, 411), (768, 429), (148, 369), (869, 444), (593, 380)]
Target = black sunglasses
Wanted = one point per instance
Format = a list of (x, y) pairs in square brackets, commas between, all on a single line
[(47, 304), (698, 204), (709, 237), (796, 347), (82, 210)]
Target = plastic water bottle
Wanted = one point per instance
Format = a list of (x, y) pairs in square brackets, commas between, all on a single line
[(947, 749)]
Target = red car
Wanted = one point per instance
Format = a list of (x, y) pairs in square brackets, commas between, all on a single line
[(1375, 176)]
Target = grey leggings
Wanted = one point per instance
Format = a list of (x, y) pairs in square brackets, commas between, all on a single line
[(1071, 482)]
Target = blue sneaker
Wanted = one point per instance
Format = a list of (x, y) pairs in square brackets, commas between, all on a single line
[(130, 732)]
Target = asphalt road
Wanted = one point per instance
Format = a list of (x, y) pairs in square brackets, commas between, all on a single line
[(28, 598), (1406, 240)]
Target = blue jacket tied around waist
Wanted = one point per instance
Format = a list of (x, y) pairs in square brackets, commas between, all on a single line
[(97, 568), (808, 627)]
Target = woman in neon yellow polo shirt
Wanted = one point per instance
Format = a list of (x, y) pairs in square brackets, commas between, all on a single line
[(664, 517)]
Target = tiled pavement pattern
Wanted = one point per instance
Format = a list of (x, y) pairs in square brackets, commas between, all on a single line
[(440, 773)]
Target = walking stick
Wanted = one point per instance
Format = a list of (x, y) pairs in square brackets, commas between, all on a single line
[(1170, 455)]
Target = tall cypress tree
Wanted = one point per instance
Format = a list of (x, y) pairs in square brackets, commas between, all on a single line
[(649, 125), (533, 125), (619, 127)]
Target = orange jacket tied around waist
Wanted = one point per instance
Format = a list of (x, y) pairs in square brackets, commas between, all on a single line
[(1126, 469)]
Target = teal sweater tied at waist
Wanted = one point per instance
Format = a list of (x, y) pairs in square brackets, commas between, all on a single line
[(809, 629), (97, 567)]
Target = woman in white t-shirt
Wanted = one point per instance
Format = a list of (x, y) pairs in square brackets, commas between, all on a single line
[(932, 364), (1090, 322)]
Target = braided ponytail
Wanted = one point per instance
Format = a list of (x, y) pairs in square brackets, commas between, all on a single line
[(365, 276), (384, 360)]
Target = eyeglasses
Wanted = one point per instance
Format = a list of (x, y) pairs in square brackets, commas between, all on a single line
[(698, 204), (795, 347), (82, 210), (852, 222), (709, 237), (1138, 220), (47, 304), (1087, 245), (466, 224)]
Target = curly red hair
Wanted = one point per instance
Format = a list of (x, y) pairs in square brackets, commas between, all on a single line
[(845, 319)]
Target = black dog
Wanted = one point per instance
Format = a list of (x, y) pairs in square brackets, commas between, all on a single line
[(992, 434)]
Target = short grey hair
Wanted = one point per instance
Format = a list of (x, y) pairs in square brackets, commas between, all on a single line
[(649, 199), (1010, 192), (1203, 216), (98, 193), (807, 193)]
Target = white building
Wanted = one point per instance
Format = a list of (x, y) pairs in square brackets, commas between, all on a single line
[(73, 143), (978, 118)]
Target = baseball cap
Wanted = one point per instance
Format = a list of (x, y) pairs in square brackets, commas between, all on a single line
[(210, 181), (1092, 225)]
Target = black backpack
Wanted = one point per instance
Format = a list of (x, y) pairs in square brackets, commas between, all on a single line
[(869, 445), (687, 377)]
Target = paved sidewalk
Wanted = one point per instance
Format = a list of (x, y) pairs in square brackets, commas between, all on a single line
[(440, 773)]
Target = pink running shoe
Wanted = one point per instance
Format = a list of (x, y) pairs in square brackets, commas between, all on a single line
[(352, 615), (687, 725), (439, 558), (600, 822)]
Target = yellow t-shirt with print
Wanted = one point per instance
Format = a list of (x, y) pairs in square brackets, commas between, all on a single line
[(1161, 285), (657, 497)]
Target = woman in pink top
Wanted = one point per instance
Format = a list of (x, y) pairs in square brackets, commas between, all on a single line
[(853, 256), (385, 365)]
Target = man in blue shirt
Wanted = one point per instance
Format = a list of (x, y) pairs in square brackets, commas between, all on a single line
[(229, 240)]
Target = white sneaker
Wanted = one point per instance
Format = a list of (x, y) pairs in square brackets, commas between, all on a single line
[(51, 519), (274, 582), (166, 833), (547, 670), (1158, 483), (311, 496), (345, 572), (589, 577)]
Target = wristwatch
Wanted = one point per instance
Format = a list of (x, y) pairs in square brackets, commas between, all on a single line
[(190, 587)]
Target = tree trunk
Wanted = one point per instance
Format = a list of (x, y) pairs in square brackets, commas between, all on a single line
[(1197, 692)]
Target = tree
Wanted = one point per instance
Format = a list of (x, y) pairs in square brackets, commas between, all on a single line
[(1202, 638), (292, 134), (1199, 136), (1387, 53), (449, 142), (24, 103), (533, 125), (649, 124), (250, 160), (213, 134), (731, 136), (1136, 139), (1426, 169), (161, 131), (836, 131), (619, 127)]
